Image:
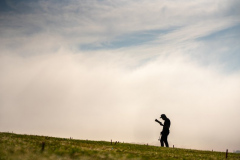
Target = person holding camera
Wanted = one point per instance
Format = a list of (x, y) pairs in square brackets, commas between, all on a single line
[(165, 132)]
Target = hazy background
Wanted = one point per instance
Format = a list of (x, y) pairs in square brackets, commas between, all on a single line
[(105, 69)]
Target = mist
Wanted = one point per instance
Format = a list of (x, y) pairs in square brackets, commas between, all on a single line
[(99, 97)]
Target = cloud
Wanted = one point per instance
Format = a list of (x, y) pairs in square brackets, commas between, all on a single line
[(96, 22)]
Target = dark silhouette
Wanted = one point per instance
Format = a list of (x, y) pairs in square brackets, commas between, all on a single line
[(165, 132)]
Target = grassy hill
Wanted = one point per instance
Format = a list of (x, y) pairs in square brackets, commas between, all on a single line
[(15, 146)]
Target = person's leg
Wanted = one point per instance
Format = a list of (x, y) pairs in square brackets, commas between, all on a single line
[(166, 141), (162, 140)]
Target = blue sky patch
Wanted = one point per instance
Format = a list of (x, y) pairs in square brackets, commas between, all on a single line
[(225, 44), (127, 40)]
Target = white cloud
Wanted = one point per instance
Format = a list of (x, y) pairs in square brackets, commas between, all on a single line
[(198, 30), (93, 21)]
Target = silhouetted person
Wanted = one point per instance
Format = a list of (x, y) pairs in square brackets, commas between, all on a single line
[(165, 131)]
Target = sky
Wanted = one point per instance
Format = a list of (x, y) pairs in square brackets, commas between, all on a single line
[(106, 69)]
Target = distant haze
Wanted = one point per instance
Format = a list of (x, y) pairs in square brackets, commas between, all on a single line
[(103, 70)]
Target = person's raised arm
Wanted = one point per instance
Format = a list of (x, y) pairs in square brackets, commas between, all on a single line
[(158, 122)]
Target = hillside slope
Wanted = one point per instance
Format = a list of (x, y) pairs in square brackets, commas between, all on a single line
[(15, 146)]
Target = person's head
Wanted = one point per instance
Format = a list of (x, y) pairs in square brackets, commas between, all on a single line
[(163, 116)]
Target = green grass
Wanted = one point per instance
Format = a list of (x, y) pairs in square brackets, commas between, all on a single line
[(15, 146)]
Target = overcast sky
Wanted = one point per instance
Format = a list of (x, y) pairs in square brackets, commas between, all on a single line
[(105, 69)]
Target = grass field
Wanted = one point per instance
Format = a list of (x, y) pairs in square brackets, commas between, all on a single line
[(15, 146)]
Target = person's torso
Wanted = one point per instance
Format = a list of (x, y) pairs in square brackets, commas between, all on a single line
[(166, 125)]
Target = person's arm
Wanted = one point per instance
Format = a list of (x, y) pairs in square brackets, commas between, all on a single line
[(159, 122)]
